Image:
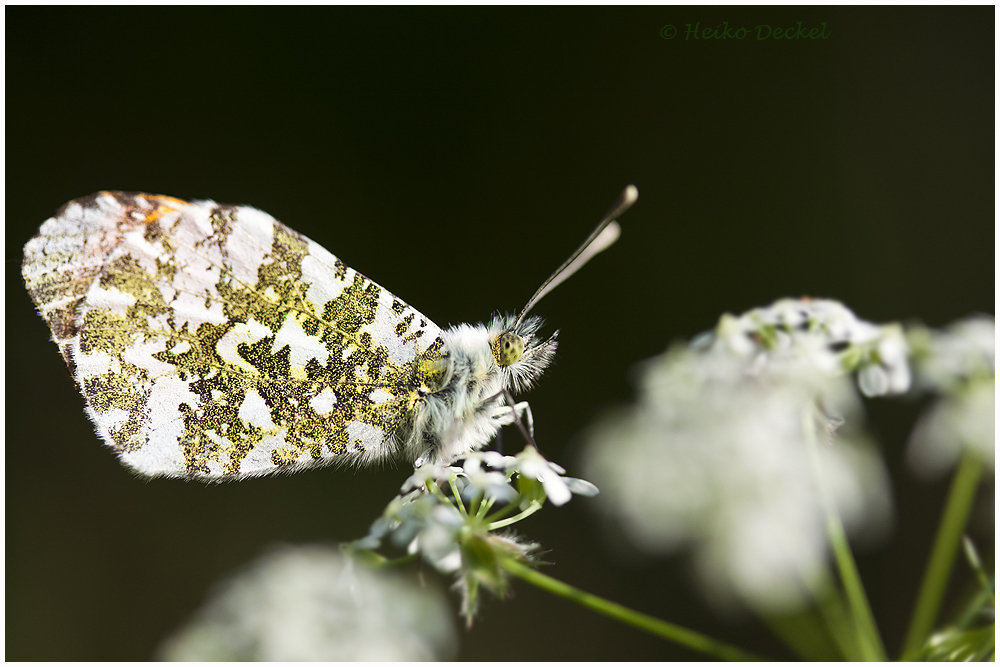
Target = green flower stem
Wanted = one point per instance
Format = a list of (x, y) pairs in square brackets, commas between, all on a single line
[(833, 610), (805, 633), (956, 511), (484, 508), (868, 636), (377, 560), (397, 562), (977, 565), (458, 497), (674, 633), (501, 513), (532, 508), (434, 489)]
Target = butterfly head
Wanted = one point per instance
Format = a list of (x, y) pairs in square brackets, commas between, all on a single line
[(507, 348), (519, 351)]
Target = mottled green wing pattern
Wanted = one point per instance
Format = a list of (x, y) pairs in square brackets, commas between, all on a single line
[(212, 341)]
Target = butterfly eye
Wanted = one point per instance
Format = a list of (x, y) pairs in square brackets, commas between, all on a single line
[(508, 348)]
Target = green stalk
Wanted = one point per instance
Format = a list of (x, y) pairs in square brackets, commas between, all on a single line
[(805, 633), (532, 508), (868, 636), (458, 497), (484, 508), (956, 511), (669, 631), (841, 625), (501, 513), (397, 562), (869, 639)]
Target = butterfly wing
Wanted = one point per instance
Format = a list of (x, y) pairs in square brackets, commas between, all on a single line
[(213, 341)]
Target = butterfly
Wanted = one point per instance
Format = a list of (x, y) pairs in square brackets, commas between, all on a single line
[(213, 342)]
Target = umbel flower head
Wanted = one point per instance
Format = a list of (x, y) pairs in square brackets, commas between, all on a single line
[(310, 603), (451, 515), (716, 457), (821, 334), (959, 365)]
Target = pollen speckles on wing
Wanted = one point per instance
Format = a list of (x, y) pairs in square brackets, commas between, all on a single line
[(212, 341)]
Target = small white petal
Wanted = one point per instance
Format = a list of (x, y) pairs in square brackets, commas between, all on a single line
[(498, 461), (873, 380), (581, 487), (556, 489), (450, 563)]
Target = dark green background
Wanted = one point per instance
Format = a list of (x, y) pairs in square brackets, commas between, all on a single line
[(456, 156)]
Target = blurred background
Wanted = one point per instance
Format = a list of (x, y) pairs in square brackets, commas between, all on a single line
[(456, 156)]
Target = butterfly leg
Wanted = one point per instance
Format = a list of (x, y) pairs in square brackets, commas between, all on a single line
[(505, 415), (522, 417), (512, 413)]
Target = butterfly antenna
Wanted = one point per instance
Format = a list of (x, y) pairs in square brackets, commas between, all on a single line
[(607, 232)]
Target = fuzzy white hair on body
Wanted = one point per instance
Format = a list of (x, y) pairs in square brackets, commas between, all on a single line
[(470, 407)]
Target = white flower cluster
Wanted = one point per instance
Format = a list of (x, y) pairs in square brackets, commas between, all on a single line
[(825, 333), (448, 514), (309, 603), (731, 445), (959, 364)]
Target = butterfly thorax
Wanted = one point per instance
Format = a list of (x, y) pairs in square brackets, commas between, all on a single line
[(465, 409)]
